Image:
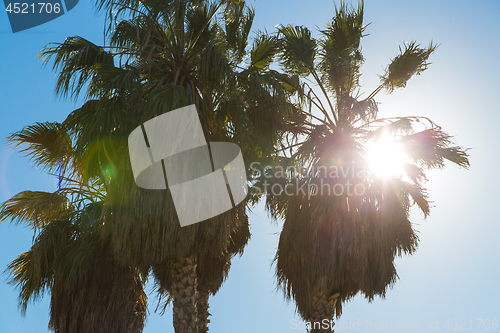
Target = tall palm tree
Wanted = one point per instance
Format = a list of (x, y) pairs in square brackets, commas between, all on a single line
[(162, 56), (335, 244), (90, 291)]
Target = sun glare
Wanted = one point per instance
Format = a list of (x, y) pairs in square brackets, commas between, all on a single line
[(385, 157)]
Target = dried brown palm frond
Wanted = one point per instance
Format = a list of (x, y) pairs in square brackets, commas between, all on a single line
[(340, 244), (89, 290)]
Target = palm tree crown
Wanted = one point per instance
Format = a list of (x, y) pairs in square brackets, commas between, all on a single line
[(335, 244)]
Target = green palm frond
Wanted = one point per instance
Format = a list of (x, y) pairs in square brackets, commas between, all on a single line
[(263, 51), (163, 99), (432, 147), (109, 115), (101, 118), (415, 173), (340, 55), (412, 60), (32, 271), (365, 110), (108, 5), (47, 144), (111, 81), (238, 20), (78, 60), (128, 33), (215, 70), (202, 27), (34, 208), (298, 49), (23, 277), (399, 125)]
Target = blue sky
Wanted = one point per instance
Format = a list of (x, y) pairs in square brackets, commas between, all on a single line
[(455, 272)]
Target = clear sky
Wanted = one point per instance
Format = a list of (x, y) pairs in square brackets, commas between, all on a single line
[(455, 273)]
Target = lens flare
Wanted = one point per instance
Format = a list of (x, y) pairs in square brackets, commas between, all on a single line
[(386, 157)]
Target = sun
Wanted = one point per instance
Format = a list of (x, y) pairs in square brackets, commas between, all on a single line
[(385, 157)]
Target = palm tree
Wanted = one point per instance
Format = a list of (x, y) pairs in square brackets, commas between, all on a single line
[(335, 244), (162, 56), (90, 291)]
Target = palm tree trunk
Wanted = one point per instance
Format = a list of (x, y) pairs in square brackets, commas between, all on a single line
[(202, 308), (184, 294), (323, 307)]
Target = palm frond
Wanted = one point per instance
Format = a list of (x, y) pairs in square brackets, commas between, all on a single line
[(215, 70), (79, 60), (340, 55), (47, 144), (298, 49), (32, 271), (263, 51), (35, 208), (432, 147), (412, 60), (238, 20)]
